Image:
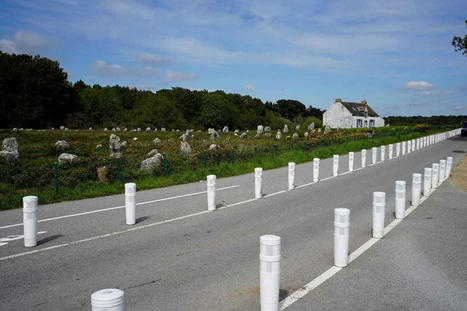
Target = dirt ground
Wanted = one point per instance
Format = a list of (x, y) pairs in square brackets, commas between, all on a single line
[(459, 175)]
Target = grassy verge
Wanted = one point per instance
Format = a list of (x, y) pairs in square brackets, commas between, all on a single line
[(91, 189)]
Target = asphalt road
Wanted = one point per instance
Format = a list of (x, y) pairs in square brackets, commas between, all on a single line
[(181, 257)]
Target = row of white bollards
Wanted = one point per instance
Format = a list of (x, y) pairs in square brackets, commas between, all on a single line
[(270, 244)]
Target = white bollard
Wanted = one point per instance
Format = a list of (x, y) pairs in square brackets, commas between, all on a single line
[(130, 203), (417, 144), (403, 147), (409, 146), (291, 175), (335, 165), (363, 158), (390, 151), (341, 236), (434, 176), (30, 221), (413, 144), (383, 153), (416, 188), (258, 182), (442, 170), (315, 169), (110, 299), (374, 155), (379, 204), (427, 172), (269, 271), (448, 166), (351, 156), (400, 199), (211, 192), (398, 149)]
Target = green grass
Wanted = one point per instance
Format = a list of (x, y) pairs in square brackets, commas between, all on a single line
[(12, 198)]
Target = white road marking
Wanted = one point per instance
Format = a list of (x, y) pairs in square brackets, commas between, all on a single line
[(4, 241), (119, 207)]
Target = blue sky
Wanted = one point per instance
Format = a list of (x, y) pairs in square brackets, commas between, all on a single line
[(395, 54)]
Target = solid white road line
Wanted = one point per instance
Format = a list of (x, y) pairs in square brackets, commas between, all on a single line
[(119, 207)]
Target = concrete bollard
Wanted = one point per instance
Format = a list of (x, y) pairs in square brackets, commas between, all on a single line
[(417, 144), (413, 144), (351, 156), (398, 149), (416, 188), (315, 169), (110, 299), (442, 171), (403, 147), (211, 192), (379, 204), (130, 203), (434, 176), (269, 271), (390, 151), (335, 165), (341, 236), (400, 199), (258, 182), (363, 158), (374, 155), (30, 221), (448, 166), (427, 172), (291, 175), (383, 153), (409, 146)]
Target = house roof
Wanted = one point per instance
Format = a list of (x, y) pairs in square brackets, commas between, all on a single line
[(358, 109)]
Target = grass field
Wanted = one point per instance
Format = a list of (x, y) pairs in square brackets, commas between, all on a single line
[(34, 174)]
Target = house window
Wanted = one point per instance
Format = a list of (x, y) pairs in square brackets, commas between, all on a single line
[(359, 123), (372, 123), (366, 123)]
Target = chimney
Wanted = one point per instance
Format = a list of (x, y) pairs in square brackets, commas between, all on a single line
[(364, 101), (338, 100)]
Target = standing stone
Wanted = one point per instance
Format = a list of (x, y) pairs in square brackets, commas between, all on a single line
[(278, 134), (105, 129), (327, 129), (225, 129), (183, 137), (236, 131), (311, 126), (156, 141), (125, 129), (67, 158), (61, 145), (297, 127), (267, 135), (305, 134), (90, 128), (243, 135), (135, 138), (286, 129), (185, 148), (153, 152), (295, 135), (260, 129), (163, 129), (215, 135), (115, 146), (62, 127), (267, 129), (10, 149), (99, 146), (212, 147), (150, 164), (148, 129), (102, 174)]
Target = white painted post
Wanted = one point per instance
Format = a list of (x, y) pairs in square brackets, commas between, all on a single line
[(390, 151), (363, 158), (409, 146), (379, 204), (400, 199), (403, 147), (211, 192), (110, 299), (413, 144), (398, 149), (374, 155), (448, 166), (351, 156), (416, 188), (427, 176), (341, 236), (30, 221), (435, 176), (258, 182), (270, 271), (130, 203), (291, 175), (383, 153), (315, 169), (418, 144), (442, 170), (335, 165)]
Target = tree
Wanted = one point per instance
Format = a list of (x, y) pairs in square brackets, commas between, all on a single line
[(290, 109), (460, 44), (216, 111)]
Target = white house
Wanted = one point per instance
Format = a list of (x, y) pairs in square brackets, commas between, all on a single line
[(351, 115)]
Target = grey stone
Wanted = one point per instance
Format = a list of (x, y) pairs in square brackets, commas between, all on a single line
[(156, 141), (225, 129), (99, 146), (150, 164), (185, 148), (286, 129), (61, 145), (67, 158), (215, 134), (267, 135), (311, 126), (243, 135), (163, 129), (267, 129), (327, 129), (148, 129), (135, 138), (295, 135), (153, 152), (306, 134), (297, 127), (260, 129), (212, 147), (10, 144), (278, 134), (115, 146)]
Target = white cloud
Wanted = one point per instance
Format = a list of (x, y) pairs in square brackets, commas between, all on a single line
[(26, 42), (152, 59), (250, 87), (117, 70), (178, 76), (419, 86)]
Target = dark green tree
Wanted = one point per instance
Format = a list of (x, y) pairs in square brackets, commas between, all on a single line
[(460, 44)]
